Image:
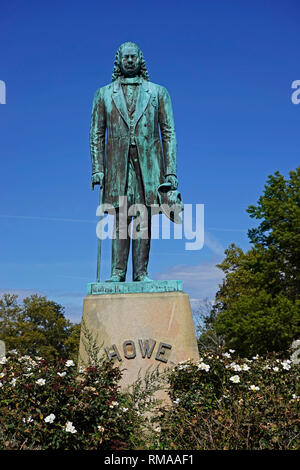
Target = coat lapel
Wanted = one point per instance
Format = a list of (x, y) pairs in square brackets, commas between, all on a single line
[(119, 100), (142, 100), (141, 103)]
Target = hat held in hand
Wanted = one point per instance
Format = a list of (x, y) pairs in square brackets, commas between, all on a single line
[(170, 202)]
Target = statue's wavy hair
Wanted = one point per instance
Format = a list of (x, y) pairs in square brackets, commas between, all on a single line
[(117, 69)]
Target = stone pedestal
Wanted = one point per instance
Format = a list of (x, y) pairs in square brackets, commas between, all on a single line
[(139, 330)]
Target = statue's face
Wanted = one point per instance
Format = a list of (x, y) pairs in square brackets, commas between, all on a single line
[(130, 61)]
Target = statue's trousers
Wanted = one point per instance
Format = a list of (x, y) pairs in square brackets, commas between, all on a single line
[(140, 215)]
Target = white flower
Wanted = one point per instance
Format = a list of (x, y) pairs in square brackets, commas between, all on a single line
[(3, 360), (185, 366), (226, 355), (50, 418), (234, 367), (286, 365), (203, 366), (25, 358), (1, 384), (70, 428), (158, 429), (295, 397), (40, 382), (70, 363), (100, 428), (245, 367), (13, 382), (61, 374), (176, 401), (232, 351), (28, 420), (124, 409), (113, 404), (255, 357), (13, 351), (275, 369), (254, 388), (2, 375), (235, 379)]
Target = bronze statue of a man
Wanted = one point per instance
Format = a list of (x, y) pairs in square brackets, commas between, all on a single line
[(128, 156)]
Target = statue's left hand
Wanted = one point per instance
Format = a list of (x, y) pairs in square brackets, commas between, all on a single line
[(172, 179)]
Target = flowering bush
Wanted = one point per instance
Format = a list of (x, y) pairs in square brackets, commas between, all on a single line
[(226, 403), (52, 406), (221, 402)]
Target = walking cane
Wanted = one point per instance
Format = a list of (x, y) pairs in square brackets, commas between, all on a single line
[(99, 239)]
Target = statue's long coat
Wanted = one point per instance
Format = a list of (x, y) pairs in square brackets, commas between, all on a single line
[(111, 122)]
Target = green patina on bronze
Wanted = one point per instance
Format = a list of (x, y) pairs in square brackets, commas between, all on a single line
[(129, 158), (96, 288)]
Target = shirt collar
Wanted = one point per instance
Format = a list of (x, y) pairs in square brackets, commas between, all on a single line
[(130, 80)]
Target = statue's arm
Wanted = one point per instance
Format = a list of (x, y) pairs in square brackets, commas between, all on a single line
[(168, 135), (97, 138)]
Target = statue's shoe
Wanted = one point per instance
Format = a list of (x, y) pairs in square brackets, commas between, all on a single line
[(116, 278), (142, 278)]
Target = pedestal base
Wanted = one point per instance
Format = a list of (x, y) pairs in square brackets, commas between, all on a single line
[(138, 331), (102, 288)]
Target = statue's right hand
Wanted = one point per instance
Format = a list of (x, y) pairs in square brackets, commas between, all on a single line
[(97, 178)]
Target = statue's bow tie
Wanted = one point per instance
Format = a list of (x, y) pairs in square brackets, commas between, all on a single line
[(131, 81)]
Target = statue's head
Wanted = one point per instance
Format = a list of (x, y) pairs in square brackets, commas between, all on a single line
[(129, 62)]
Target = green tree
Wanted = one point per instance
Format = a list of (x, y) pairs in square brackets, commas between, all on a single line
[(257, 307), (278, 233), (37, 326), (204, 318)]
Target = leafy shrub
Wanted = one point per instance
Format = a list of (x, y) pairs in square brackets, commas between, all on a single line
[(52, 406), (221, 402)]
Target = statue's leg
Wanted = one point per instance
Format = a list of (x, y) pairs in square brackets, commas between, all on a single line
[(141, 242), (141, 248), (121, 240), (120, 249)]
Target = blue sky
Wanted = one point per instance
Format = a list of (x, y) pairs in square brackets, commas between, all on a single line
[(228, 67)]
